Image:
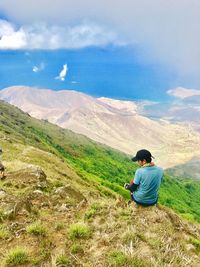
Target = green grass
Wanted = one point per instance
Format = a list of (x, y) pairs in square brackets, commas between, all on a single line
[(117, 258), (196, 243), (79, 231), (92, 211), (4, 233), (62, 261), (77, 249), (16, 256), (37, 229), (104, 168)]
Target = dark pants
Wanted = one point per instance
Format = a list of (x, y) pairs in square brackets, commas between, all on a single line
[(143, 204)]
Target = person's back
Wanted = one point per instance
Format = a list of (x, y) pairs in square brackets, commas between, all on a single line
[(148, 179), (144, 189)]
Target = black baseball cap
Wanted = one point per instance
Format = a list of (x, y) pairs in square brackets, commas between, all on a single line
[(142, 154)]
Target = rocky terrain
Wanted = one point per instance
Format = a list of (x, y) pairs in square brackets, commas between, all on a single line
[(50, 216)]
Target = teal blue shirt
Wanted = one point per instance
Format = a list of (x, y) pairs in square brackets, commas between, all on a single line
[(148, 180)]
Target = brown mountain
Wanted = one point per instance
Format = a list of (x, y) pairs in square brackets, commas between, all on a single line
[(113, 122)]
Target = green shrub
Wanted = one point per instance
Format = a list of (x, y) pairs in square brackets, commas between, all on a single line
[(139, 263), (196, 243), (45, 249), (62, 261), (4, 234), (90, 213), (94, 209), (77, 249), (79, 231), (37, 228), (15, 257), (117, 259)]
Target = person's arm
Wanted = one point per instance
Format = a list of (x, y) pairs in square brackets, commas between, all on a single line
[(131, 187)]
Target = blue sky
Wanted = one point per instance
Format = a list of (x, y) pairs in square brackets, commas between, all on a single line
[(110, 71), (129, 49)]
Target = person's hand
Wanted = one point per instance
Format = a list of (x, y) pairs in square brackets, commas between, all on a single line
[(126, 186)]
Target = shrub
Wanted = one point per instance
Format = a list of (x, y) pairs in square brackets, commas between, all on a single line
[(15, 257), (139, 263), (196, 243), (37, 229), (62, 261), (77, 249), (117, 259), (79, 231), (90, 213), (94, 209), (4, 234), (45, 249)]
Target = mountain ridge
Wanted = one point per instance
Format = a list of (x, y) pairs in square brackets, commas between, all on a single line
[(113, 122)]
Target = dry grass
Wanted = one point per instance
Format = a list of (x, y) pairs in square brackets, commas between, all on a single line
[(120, 236)]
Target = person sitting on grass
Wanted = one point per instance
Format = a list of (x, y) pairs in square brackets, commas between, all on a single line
[(2, 168), (145, 186)]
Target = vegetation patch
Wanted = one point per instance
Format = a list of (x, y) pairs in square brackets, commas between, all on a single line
[(117, 259), (4, 233), (37, 229), (79, 231), (15, 257), (77, 249), (196, 243), (62, 261), (93, 210)]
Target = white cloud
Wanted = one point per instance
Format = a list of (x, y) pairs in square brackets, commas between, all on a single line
[(11, 39), (182, 93), (166, 32), (63, 73), (39, 68), (6, 28), (41, 36)]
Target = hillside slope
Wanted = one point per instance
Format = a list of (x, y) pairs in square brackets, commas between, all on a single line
[(92, 161), (51, 216), (187, 170)]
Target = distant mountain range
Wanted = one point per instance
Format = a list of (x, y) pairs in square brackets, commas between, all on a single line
[(189, 169), (120, 124)]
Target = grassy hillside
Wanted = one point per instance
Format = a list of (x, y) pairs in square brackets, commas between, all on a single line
[(55, 211), (107, 168), (63, 220), (190, 169)]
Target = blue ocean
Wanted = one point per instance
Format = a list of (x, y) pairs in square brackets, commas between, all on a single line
[(111, 72)]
